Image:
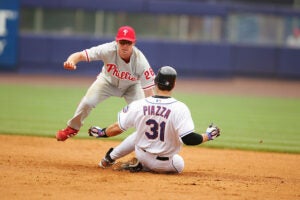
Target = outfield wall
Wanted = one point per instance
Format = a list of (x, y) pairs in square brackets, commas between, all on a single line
[(9, 20), (40, 53), (45, 54)]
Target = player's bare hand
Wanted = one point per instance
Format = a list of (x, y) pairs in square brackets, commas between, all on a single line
[(69, 65)]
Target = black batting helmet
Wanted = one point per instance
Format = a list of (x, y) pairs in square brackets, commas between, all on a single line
[(165, 78)]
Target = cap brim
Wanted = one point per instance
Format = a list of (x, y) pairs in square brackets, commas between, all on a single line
[(125, 38)]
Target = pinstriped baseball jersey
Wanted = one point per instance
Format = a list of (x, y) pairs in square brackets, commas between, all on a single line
[(119, 73), (160, 123)]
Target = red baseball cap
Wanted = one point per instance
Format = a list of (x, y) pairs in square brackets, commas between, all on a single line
[(126, 33)]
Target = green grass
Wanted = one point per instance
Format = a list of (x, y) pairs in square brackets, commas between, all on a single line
[(251, 123)]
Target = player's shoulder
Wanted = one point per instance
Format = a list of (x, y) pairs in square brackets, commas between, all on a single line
[(110, 46), (157, 100), (169, 102), (139, 62), (178, 104), (139, 55), (183, 105), (106, 47)]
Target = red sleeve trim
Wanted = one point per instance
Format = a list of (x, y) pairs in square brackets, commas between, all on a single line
[(87, 56), (150, 86)]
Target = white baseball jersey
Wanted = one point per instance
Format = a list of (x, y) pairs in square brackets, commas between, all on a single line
[(119, 73), (160, 123)]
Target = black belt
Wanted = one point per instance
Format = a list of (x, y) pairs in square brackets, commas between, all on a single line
[(162, 158), (159, 157)]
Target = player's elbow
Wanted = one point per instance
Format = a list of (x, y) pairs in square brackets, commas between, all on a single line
[(192, 139)]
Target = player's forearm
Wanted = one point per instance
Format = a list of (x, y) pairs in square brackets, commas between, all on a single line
[(204, 137), (77, 57), (113, 130), (195, 139), (149, 92)]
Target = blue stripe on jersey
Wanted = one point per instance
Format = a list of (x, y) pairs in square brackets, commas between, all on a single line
[(159, 101), (119, 122)]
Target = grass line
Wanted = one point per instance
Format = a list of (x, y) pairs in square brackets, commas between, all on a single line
[(264, 124)]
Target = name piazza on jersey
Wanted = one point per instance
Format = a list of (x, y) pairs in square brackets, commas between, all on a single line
[(157, 110), (113, 69)]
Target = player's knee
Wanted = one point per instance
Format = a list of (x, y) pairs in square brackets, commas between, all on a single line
[(88, 103), (178, 163)]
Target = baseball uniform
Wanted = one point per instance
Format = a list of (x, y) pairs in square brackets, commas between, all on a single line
[(160, 124), (117, 78)]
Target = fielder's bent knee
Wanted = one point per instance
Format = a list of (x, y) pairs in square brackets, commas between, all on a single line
[(88, 103), (178, 163)]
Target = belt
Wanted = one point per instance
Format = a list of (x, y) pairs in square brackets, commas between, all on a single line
[(162, 158), (159, 157)]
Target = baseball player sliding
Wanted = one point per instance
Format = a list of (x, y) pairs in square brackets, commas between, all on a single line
[(162, 124), (125, 73)]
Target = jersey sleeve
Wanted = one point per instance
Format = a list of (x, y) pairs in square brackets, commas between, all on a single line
[(147, 79), (98, 52), (148, 75), (127, 116), (184, 122)]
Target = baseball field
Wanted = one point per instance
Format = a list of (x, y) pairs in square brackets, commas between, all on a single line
[(257, 155)]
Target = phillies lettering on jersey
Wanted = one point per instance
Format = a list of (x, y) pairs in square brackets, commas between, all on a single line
[(113, 69), (119, 73)]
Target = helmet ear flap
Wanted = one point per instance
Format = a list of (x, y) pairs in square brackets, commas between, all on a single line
[(165, 78)]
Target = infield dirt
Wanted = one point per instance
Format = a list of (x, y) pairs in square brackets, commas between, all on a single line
[(42, 168)]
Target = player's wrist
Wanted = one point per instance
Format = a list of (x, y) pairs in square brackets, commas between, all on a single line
[(205, 137), (104, 132), (97, 132)]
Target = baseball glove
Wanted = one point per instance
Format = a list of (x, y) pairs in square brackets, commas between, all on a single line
[(96, 131), (212, 132)]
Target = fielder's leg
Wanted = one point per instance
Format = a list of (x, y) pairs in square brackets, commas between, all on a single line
[(98, 92), (133, 93)]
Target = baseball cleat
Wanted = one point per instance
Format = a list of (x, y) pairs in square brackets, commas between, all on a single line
[(133, 165), (64, 134), (107, 161)]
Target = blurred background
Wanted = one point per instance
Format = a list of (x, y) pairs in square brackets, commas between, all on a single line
[(202, 38)]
